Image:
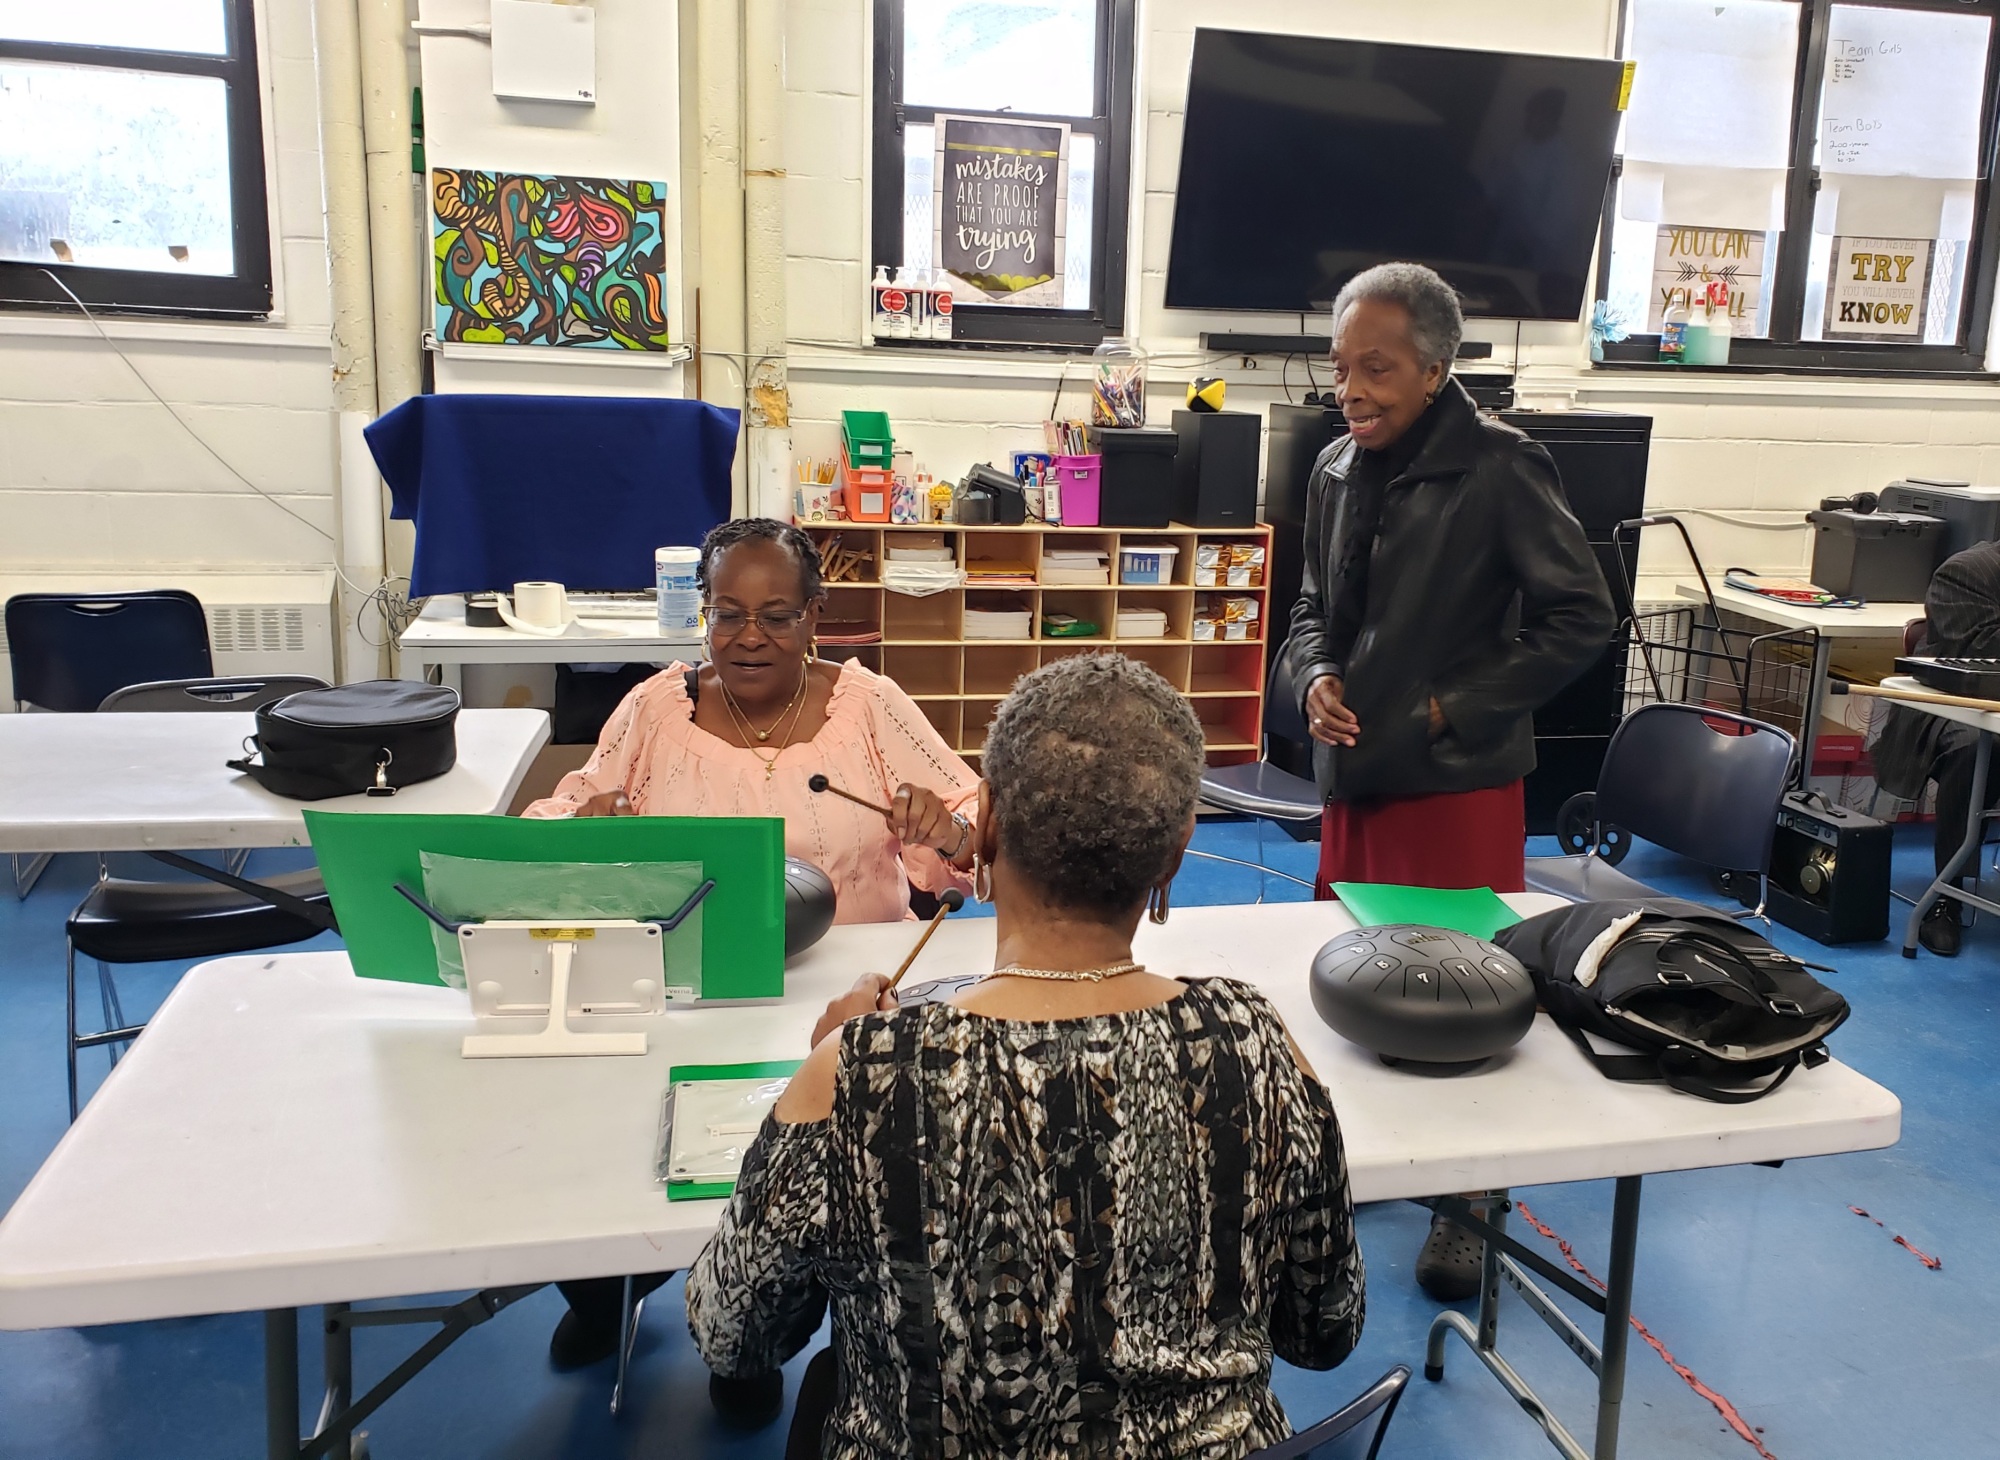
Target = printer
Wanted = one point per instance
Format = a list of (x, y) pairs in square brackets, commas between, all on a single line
[(1971, 514)]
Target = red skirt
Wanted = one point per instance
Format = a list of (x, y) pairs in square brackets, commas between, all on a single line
[(1460, 839)]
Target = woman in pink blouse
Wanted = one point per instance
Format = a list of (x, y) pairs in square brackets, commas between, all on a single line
[(763, 718)]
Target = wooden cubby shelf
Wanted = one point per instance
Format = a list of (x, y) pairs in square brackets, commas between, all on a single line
[(959, 682)]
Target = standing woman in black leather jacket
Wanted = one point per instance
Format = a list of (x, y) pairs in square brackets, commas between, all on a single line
[(1448, 593)]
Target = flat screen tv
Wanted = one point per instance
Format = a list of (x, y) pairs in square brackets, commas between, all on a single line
[(1308, 159)]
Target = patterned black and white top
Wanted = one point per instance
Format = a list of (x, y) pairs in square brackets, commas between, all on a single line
[(1085, 1237)]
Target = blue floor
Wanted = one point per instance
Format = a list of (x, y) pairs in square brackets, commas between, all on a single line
[(1831, 1340)]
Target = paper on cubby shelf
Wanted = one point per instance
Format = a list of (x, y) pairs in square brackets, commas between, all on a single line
[(921, 580)]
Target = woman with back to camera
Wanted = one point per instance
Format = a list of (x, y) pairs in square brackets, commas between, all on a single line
[(744, 736), (1448, 593), (1075, 1209)]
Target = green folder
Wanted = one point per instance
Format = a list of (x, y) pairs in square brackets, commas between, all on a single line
[(756, 1070), (1475, 911)]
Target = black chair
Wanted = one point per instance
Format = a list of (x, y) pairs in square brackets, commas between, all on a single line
[(1704, 783), (70, 650), (1261, 789), (236, 695), (1348, 1433), (124, 920)]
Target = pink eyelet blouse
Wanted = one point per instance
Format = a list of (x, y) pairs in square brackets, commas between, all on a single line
[(874, 740)]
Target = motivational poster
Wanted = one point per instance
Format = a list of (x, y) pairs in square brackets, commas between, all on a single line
[(1876, 288), (1001, 209), (1685, 259)]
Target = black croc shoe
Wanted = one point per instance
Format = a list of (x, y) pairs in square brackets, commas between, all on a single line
[(1941, 931), (748, 1403), (577, 1344), (1449, 1267)]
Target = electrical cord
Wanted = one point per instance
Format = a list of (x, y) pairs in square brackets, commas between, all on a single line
[(397, 611), (105, 335)]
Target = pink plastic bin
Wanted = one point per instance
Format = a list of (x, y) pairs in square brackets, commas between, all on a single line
[(1079, 478)]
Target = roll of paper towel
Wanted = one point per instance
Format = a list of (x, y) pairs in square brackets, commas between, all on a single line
[(537, 608), (680, 595)]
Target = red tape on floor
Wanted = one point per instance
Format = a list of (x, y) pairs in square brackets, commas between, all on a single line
[(1731, 1416), (1915, 1251)]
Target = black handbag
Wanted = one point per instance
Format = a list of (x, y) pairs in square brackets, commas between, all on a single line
[(1712, 1006), (375, 737)]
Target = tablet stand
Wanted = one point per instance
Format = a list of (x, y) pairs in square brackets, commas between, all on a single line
[(596, 968)]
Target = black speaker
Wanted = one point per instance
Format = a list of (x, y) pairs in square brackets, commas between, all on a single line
[(1830, 871), (1215, 471)]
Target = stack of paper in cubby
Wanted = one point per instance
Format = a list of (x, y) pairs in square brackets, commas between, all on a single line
[(1068, 567), (999, 616), (1142, 623)]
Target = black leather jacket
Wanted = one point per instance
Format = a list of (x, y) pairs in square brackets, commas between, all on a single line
[(1482, 592)]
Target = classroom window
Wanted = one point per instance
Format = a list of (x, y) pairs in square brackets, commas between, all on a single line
[(1029, 103), (1830, 161), (132, 157)]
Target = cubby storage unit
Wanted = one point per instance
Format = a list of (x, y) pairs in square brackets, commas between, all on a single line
[(959, 682)]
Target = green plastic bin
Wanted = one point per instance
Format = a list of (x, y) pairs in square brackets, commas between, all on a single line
[(866, 435)]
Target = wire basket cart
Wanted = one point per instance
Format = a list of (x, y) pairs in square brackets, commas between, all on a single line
[(1689, 654)]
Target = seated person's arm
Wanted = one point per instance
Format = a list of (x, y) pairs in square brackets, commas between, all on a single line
[(599, 788), (1317, 1311), (910, 752), (752, 1298)]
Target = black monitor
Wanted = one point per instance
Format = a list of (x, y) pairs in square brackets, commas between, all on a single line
[(1308, 159)]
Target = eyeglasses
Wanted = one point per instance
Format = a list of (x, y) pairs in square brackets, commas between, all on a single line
[(779, 623)]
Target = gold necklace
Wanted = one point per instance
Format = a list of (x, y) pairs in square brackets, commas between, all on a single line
[(742, 719), (746, 730), (1069, 975)]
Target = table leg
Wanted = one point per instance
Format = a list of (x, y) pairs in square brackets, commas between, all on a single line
[(281, 1384), (1815, 698), (1617, 1315), (1489, 1279), (338, 1365), (1968, 850), (28, 869)]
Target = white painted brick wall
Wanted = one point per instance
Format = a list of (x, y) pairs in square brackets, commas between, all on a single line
[(93, 472)]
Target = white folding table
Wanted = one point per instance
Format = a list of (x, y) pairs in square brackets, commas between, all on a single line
[(160, 782), (440, 638), (286, 1134), (1870, 623)]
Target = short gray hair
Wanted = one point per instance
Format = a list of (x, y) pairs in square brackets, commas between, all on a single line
[(1436, 323), (1095, 764)]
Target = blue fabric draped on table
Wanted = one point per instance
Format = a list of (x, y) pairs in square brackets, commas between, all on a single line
[(576, 490)]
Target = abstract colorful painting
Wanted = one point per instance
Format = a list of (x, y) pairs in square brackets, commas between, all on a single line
[(525, 260)]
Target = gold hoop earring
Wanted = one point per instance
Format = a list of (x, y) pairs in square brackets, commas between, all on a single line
[(1156, 902), (812, 650), (982, 879)]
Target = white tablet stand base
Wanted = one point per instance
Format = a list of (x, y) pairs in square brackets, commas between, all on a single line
[(584, 972), (549, 978)]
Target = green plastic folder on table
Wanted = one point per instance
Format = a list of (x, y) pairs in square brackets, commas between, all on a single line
[(1477, 912), (363, 857), (682, 1074)]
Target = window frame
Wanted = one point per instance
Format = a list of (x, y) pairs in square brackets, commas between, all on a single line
[(1011, 326), (1785, 352), (243, 294)]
